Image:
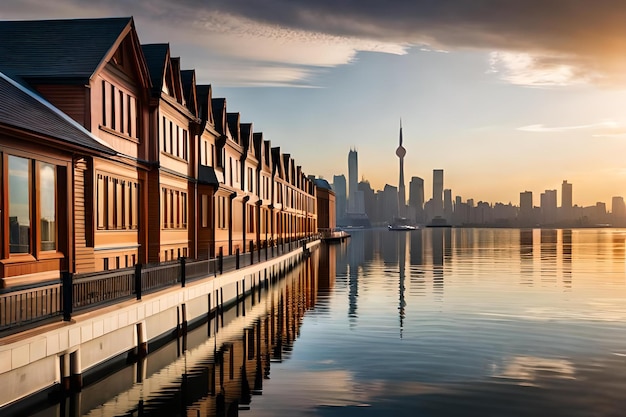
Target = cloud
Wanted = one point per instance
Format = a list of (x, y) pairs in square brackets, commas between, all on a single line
[(606, 128), (531, 42)]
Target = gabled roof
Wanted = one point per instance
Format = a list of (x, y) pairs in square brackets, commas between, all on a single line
[(157, 56), (257, 140), (233, 125), (245, 130), (58, 49), (287, 167), (277, 162), (22, 109), (219, 114), (189, 90), (204, 94), (178, 82)]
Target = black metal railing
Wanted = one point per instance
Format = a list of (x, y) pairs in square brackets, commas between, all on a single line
[(78, 292)]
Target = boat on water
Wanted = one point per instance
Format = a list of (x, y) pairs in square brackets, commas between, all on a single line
[(401, 227), (401, 224)]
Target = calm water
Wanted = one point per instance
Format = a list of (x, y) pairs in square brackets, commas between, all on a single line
[(451, 322), (437, 322)]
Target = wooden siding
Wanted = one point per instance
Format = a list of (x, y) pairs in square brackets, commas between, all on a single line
[(68, 98), (83, 224)]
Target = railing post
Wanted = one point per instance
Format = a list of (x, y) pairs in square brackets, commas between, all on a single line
[(68, 301), (221, 260), (138, 280), (237, 259), (251, 252), (183, 272)]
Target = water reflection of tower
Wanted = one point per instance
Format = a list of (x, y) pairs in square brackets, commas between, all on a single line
[(401, 266)]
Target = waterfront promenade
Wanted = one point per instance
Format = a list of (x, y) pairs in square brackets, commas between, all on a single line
[(58, 356)]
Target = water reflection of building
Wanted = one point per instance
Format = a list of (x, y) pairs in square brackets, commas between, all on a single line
[(355, 260), (216, 368), (566, 242), (549, 240), (526, 242)]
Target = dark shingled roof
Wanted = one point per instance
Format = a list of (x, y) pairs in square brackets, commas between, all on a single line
[(219, 106), (188, 78), (156, 58), (233, 125), (23, 109), (58, 49)]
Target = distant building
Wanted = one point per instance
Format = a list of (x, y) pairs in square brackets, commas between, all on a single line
[(389, 202), (618, 211), (548, 207), (369, 198), (437, 192), (566, 201), (525, 217), (326, 210), (416, 199), (355, 198), (447, 204)]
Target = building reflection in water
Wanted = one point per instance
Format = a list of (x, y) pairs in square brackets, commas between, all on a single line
[(416, 259), (356, 256), (216, 368), (526, 252), (549, 255), (566, 242)]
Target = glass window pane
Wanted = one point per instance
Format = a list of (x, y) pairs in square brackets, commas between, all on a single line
[(19, 205), (47, 204)]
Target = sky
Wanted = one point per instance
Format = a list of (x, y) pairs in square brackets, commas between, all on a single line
[(503, 95)]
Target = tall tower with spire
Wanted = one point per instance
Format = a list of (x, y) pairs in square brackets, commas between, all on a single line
[(401, 152)]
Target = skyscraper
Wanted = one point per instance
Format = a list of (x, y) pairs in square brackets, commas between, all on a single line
[(437, 192), (566, 201), (416, 199), (526, 207), (401, 152), (548, 207), (447, 204), (355, 197)]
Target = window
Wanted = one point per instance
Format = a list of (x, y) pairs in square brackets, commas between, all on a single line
[(47, 206), (251, 218), (250, 179), (173, 209), (19, 204), (117, 203), (119, 110), (164, 134), (32, 200), (221, 213)]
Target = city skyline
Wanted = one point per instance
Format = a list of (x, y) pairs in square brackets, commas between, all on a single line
[(512, 98)]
